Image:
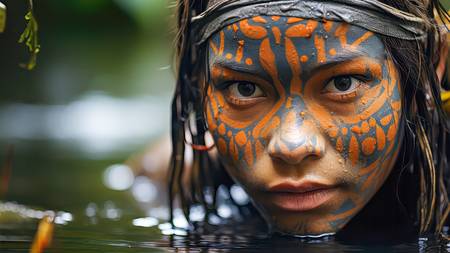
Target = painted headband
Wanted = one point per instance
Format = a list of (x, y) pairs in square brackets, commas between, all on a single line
[(372, 15)]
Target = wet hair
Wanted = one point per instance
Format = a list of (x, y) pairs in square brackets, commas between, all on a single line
[(422, 161)]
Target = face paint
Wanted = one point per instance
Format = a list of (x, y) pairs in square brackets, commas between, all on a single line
[(306, 117)]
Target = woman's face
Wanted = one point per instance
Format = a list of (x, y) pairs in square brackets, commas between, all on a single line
[(305, 115)]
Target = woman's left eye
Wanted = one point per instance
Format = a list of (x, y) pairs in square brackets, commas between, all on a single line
[(342, 84)]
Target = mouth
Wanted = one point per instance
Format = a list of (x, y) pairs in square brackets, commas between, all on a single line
[(300, 196)]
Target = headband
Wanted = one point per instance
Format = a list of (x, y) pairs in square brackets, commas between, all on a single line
[(372, 15)]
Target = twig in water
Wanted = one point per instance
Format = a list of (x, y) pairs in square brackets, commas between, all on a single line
[(6, 171)]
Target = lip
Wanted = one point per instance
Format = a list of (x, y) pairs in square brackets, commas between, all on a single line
[(300, 196)]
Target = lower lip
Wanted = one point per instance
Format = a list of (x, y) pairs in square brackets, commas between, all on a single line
[(304, 201)]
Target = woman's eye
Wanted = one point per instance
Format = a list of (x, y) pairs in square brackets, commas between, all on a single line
[(342, 84), (245, 90)]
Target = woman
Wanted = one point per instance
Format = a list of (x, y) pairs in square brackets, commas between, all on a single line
[(326, 112)]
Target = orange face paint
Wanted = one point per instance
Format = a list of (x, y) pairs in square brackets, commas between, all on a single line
[(314, 100)]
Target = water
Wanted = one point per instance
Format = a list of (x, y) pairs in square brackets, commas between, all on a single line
[(121, 235)]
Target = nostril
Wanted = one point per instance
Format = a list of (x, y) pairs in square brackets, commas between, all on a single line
[(294, 153)]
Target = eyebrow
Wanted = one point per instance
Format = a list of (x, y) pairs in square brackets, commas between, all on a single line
[(240, 68), (232, 65), (344, 55)]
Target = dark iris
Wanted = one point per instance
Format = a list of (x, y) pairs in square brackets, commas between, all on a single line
[(246, 89), (342, 83)]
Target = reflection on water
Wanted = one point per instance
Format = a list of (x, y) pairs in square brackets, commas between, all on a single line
[(145, 222), (239, 195), (148, 234), (11, 211)]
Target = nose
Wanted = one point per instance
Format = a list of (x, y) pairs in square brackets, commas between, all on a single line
[(295, 140)]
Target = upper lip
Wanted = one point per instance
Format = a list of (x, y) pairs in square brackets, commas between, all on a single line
[(298, 187)]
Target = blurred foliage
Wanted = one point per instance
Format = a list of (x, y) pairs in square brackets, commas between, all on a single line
[(148, 14), (120, 49), (145, 12), (88, 45), (82, 6)]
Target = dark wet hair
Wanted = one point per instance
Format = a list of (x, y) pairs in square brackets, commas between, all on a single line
[(422, 162)]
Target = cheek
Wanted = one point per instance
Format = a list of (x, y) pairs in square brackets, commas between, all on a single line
[(221, 138), (233, 144), (369, 140), (235, 139), (367, 135)]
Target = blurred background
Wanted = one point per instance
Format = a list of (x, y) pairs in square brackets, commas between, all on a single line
[(100, 92)]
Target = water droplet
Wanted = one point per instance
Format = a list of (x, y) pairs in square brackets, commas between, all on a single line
[(285, 8)]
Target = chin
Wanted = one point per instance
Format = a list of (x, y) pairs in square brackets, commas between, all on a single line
[(304, 225), (304, 228)]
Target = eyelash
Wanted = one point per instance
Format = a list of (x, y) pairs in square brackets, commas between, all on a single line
[(346, 96), (242, 101)]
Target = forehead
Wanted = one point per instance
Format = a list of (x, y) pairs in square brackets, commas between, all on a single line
[(314, 42)]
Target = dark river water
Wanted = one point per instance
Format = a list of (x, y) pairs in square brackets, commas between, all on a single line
[(105, 235)]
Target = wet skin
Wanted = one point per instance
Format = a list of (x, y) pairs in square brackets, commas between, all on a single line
[(311, 104)]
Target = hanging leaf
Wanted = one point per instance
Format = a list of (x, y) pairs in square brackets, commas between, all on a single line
[(2, 17), (30, 38)]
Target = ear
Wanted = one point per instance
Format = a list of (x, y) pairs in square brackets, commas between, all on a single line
[(442, 64)]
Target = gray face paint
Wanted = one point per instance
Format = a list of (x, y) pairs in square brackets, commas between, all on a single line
[(369, 14), (285, 124)]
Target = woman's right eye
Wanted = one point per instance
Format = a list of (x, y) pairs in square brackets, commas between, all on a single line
[(244, 90), (243, 93)]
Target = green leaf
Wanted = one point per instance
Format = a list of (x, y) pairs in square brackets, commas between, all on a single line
[(2, 17), (30, 38)]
